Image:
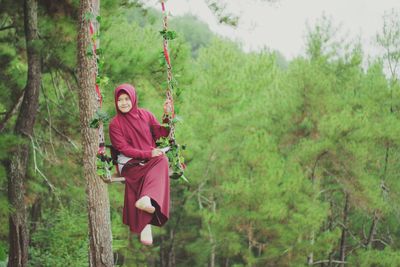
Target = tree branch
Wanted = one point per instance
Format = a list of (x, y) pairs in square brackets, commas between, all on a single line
[(7, 27), (372, 230), (382, 241), (360, 242), (34, 148), (62, 135), (329, 261), (12, 111)]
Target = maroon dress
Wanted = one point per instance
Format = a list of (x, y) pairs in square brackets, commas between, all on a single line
[(134, 134)]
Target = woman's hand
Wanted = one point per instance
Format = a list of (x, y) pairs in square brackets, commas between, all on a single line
[(156, 152), (168, 107)]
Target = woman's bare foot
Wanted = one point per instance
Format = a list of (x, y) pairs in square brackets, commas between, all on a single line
[(144, 203), (146, 237)]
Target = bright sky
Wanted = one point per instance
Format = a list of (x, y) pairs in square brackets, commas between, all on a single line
[(282, 26)]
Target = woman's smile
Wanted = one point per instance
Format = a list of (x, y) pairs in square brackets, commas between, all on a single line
[(124, 103)]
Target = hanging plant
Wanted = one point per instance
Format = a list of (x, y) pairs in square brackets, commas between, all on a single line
[(174, 154)]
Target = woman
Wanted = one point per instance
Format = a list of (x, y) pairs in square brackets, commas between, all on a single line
[(133, 132)]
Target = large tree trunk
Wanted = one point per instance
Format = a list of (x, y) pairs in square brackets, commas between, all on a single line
[(97, 195), (18, 230)]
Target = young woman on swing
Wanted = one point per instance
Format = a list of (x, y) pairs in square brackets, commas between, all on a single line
[(133, 132)]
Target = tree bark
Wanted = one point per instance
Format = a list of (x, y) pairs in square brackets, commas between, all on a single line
[(98, 205), (18, 230)]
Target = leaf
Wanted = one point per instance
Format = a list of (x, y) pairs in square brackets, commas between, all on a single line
[(161, 59), (94, 123), (99, 116), (89, 16), (184, 178), (89, 51), (100, 172), (102, 80), (99, 51), (176, 119), (168, 34)]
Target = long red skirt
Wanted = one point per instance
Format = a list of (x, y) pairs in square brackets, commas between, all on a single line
[(149, 180)]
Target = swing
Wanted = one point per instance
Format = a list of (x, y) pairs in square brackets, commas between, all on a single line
[(175, 172), (117, 177)]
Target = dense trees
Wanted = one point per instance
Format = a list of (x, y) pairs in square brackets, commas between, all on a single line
[(289, 164)]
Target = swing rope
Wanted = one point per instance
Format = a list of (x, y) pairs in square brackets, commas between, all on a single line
[(93, 37), (169, 111), (101, 151)]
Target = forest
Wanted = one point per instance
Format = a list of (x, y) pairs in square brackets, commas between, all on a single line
[(288, 162)]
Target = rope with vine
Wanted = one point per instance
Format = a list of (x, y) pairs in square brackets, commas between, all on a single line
[(104, 164), (174, 154)]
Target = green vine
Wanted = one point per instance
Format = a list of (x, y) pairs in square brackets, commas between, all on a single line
[(175, 158), (168, 34), (174, 154), (103, 163), (99, 117), (102, 80), (104, 167)]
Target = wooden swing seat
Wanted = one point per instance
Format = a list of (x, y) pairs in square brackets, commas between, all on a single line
[(115, 178)]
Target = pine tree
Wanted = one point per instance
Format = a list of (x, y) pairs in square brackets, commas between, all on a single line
[(100, 239), (18, 233)]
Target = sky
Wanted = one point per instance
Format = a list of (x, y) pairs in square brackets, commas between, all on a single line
[(282, 25)]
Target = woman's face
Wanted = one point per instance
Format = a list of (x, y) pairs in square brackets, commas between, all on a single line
[(124, 103)]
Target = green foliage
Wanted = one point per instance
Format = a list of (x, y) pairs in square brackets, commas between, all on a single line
[(168, 34), (389, 40), (275, 147), (223, 16), (104, 167), (8, 143), (12, 78), (100, 116), (175, 157), (61, 240), (382, 258), (194, 31)]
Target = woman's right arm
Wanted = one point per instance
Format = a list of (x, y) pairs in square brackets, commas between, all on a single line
[(119, 142)]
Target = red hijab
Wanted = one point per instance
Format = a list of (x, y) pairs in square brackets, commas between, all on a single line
[(135, 124)]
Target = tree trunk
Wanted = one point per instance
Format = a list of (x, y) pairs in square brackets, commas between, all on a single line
[(35, 215), (342, 252), (372, 231), (97, 195), (212, 238), (310, 256), (171, 254), (18, 230)]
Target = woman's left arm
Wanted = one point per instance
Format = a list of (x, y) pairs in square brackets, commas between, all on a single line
[(156, 129)]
